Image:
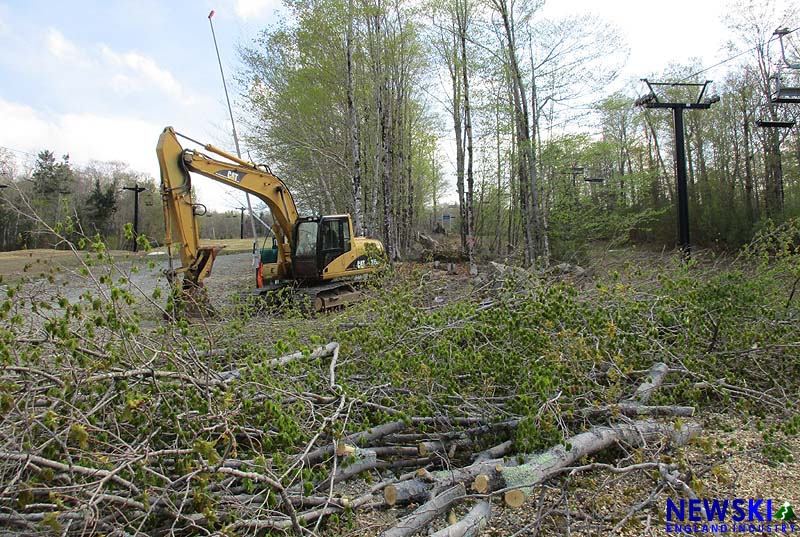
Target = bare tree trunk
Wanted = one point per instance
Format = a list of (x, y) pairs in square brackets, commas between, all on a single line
[(373, 28), (462, 12), (534, 233), (659, 157), (513, 219), (409, 215), (498, 207), (545, 238), (386, 187), (459, 134)]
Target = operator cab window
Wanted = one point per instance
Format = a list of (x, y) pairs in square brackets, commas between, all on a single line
[(331, 238), (306, 239), (335, 238), (345, 226)]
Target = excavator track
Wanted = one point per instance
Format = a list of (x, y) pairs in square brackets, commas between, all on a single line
[(316, 298)]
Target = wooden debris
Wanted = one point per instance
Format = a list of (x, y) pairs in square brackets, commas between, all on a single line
[(655, 377), (425, 513), (471, 525)]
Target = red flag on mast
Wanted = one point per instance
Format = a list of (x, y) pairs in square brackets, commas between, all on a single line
[(211, 14)]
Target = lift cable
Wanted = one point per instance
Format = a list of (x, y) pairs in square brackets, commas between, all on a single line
[(742, 53)]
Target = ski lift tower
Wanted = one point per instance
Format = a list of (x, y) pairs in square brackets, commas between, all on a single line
[(652, 100)]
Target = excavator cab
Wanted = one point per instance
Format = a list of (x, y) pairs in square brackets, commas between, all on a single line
[(318, 242)]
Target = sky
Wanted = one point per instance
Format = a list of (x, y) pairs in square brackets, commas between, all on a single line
[(99, 80)]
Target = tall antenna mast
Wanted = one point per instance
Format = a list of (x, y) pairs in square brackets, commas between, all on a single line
[(235, 137)]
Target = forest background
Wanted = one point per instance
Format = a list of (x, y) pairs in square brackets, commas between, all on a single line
[(374, 108)]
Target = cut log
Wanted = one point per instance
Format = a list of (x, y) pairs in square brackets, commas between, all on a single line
[(362, 437), (539, 467), (481, 484), (496, 452), (425, 513), (515, 498), (344, 450), (418, 490), (366, 460), (471, 525), (442, 446), (466, 435), (410, 491), (633, 409)]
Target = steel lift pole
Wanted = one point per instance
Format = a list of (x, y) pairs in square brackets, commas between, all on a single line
[(651, 100), (136, 189)]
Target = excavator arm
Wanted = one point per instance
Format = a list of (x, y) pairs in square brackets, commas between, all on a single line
[(181, 211)]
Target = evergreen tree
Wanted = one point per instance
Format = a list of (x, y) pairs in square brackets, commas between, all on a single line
[(100, 208), (51, 178)]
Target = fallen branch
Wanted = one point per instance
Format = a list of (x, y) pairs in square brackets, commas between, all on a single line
[(654, 380), (471, 525), (425, 513), (495, 452)]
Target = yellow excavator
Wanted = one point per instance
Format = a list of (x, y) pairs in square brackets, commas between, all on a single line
[(312, 253)]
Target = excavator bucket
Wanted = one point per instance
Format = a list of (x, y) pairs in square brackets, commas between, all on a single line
[(191, 298), (193, 302)]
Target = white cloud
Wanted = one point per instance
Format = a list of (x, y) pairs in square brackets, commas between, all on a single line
[(147, 73), (246, 9), (84, 137), (93, 69), (59, 46), (87, 137)]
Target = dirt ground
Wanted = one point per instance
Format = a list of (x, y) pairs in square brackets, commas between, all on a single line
[(232, 273)]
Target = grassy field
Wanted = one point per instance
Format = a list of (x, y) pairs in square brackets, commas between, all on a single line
[(18, 262), (232, 245)]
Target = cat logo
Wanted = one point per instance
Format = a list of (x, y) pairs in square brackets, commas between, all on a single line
[(230, 175)]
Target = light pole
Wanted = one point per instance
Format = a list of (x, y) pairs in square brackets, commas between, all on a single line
[(241, 221), (3, 235), (235, 138), (136, 189)]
